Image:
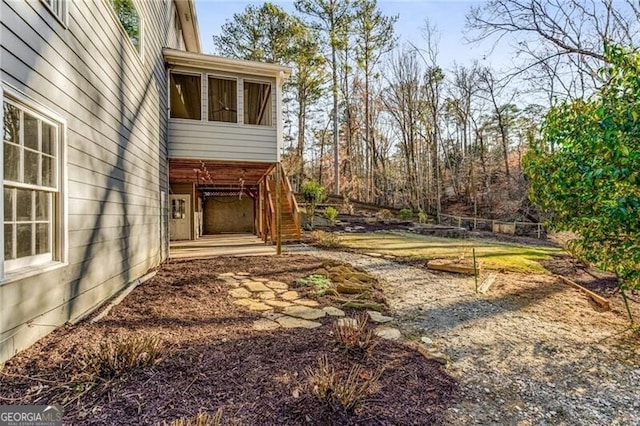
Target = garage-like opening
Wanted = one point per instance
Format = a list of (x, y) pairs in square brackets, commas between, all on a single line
[(225, 213)]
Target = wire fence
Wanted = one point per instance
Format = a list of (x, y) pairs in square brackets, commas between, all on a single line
[(529, 229)]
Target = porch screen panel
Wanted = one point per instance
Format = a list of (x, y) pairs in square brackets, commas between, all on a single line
[(257, 104), (223, 100), (185, 96)]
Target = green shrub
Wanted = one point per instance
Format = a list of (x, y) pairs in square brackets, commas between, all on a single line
[(319, 282), (331, 213), (422, 217), (312, 193), (406, 214)]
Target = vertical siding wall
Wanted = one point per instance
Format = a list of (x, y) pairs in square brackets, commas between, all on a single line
[(210, 140), (116, 111)]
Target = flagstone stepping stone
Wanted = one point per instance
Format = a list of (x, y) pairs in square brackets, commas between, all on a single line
[(266, 295), (291, 322), (278, 303), (264, 324), (348, 322), (306, 302), (240, 293), (244, 302), (271, 315), (290, 295), (334, 312), (374, 254), (277, 285), (262, 280), (259, 306), (304, 312), (256, 286), (226, 274), (242, 274), (378, 317), (388, 333)]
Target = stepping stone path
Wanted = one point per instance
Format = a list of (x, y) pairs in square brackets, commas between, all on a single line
[(280, 306)]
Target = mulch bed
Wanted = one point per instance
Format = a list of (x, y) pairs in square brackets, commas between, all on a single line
[(214, 360)]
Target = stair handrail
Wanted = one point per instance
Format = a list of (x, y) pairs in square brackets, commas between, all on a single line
[(292, 199)]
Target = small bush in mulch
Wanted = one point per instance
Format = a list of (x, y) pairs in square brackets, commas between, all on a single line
[(353, 333), (117, 356), (346, 392)]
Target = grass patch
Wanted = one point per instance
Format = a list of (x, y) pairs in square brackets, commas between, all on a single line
[(491, 254)]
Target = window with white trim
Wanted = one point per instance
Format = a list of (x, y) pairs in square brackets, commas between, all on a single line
[(31, 144), (130, 20)]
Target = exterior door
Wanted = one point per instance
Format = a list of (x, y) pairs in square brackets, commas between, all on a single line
[(180, 226)]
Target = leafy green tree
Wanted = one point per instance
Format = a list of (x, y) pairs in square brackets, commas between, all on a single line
[(312, 193), (128, 16), (586, 171)]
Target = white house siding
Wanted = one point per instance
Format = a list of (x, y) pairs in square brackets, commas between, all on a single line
[(208, 140), (114, 104)]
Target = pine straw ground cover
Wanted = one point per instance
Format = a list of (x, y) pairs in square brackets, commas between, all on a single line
[(194, 352)]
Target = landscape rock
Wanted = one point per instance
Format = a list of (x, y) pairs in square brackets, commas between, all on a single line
[(304, 312), (388, 333), (264, 324), (277, 285), (256, 286), (240, 292), (306, 302), (266, 295), (377, 317), (271, 315), (278, 303), (290, 295), (334, 312), (291, 322)]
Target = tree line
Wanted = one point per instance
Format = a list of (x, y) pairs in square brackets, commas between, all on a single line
[(382, 121)]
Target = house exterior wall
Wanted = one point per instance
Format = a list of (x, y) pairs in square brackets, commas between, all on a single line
[(113, 103), (207, 140)]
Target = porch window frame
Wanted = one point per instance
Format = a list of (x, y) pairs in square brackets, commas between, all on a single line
[(271, 95), (203, 111), (239, 100)]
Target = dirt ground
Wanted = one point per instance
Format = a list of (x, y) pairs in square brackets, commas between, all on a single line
[(214, 360), (531, 351)]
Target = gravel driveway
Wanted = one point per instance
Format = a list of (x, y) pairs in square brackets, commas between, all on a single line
[(530, 352)]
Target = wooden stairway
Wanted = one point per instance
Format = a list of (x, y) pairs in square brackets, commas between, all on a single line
[(290, 214)]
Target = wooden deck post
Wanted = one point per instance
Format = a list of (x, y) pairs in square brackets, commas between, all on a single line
[(278, 210)]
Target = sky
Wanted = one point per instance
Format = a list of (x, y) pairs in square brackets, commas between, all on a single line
[(448, 16)]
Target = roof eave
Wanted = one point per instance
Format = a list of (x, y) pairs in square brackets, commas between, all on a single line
[(219, 63), (189, 22)]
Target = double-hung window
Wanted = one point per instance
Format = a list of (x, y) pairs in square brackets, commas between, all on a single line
[(31, 186)]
